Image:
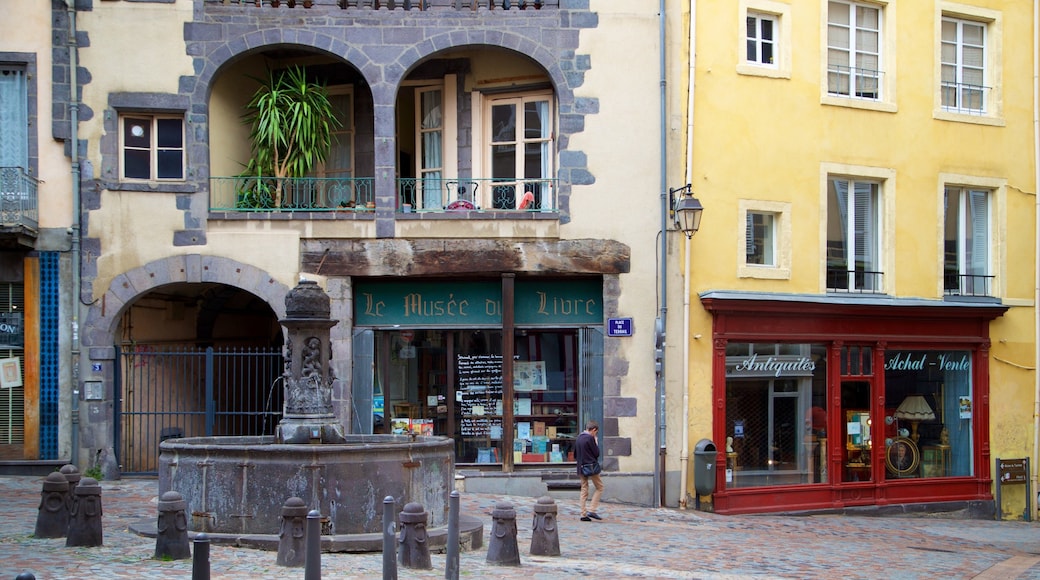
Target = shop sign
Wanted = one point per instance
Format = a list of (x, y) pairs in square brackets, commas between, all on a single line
[(919, 361), (450, 303), (774, 365), (11, 329)]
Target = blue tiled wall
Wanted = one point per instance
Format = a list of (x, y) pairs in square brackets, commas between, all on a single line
[(49, 285)]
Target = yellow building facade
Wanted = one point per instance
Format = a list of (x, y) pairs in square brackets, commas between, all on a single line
[(862, 287)]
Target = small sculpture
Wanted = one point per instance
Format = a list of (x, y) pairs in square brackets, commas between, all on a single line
[(729, 445)]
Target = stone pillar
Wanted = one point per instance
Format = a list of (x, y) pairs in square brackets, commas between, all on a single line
[(172, 539), (52, 521), (545, 539), (291, 536), (415, 550), (502, 548), (308, 415), (85, 524)]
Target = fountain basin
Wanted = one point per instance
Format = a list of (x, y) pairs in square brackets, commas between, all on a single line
[(238, 485)]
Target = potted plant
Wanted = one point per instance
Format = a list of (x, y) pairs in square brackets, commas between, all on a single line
[(291, 121)]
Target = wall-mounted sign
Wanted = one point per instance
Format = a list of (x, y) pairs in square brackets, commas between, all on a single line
[(619, 327), (10, 373)]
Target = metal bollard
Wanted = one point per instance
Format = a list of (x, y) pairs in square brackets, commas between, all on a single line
[(52, 521), (451, 564), (291, 536), (312, 567), (85, 517), (25, 576), (200, 563), (389, 535), (171, 541), (415, 550), (502, 548), (545, 540)]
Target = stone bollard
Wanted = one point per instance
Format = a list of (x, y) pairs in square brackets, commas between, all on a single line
[(85, 516), (291, 536), (73, 475), (172, 540), (415, 550), (545, 540), (52, 521), (502, 548)]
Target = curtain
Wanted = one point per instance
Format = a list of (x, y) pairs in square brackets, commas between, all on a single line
[(430, 128), (14, 136)]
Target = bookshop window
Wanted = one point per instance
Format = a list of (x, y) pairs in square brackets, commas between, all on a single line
[(776, 414), (928, 409)]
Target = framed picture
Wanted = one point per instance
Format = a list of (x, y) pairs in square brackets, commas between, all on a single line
[(902, 457), (529, 376), (10, 373)]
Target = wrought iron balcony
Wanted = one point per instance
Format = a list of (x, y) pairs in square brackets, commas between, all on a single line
[(967, 284), (964, 98), (439, 195), (855, 281), (273, 194), (390, 5), (19, 209)]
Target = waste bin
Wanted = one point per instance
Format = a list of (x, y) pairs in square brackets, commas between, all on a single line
[(704, 458)]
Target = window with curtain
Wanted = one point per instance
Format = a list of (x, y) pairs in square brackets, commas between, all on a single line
[(963, 49), (853, 236), (520, 140), (966, 260), (14, 117), (430, 138), (854, 50)]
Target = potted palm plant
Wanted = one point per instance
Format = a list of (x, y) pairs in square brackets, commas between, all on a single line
[(291, 121)]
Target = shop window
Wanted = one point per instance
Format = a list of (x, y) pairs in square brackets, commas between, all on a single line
[(928, 413), (449, 383), (12, 390), (776, 414)]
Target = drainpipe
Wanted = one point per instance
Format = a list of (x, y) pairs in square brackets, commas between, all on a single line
[(1036, 258), (70, 6), (659, 471), (684, 454)]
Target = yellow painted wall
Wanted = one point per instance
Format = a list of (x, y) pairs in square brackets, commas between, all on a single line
[(774, 139)]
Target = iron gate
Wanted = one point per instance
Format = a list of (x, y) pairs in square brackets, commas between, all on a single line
[(164, 393)]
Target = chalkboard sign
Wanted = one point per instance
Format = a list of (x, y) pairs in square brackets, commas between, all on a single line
[(480, 394)]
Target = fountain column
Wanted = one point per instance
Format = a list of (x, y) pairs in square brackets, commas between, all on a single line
[(308, 416)]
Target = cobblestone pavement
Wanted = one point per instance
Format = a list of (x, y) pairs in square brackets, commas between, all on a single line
[(630, 542)]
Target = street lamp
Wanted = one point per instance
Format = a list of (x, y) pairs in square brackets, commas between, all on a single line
[(686, 210)]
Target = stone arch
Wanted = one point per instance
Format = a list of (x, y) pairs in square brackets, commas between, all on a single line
[(104, 314)]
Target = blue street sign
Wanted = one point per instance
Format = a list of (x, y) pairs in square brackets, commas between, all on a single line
[(619, 327)]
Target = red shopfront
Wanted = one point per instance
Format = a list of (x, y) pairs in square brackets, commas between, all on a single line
[(829, 402)]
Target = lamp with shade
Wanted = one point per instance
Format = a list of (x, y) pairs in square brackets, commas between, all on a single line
[(915, 409)]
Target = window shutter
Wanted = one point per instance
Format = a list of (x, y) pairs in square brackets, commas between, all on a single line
[(865, 236), (979, 219), (14, 121)]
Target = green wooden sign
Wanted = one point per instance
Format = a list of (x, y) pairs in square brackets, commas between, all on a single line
[(477, 303)]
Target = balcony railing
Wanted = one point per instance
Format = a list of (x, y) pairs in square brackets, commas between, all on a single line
[(18, 198), (404, 5), (272, 194), (967, 285), (439, 195), (855, 281), (856, 82), (964, 98)]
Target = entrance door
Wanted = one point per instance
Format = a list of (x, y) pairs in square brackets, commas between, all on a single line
[(856, 370)]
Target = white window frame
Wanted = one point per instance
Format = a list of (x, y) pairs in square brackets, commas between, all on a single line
[(780, 269), (992, 110), (964, 203), (780, 14), (448, 88), (997, 194), (344, 131), (487, 141), (884, 100), (886, 180), (153, 147)]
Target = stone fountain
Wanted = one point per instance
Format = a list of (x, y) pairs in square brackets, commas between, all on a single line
[(237, 486)]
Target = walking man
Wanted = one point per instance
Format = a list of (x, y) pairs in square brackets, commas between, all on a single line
[(587, 456)]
